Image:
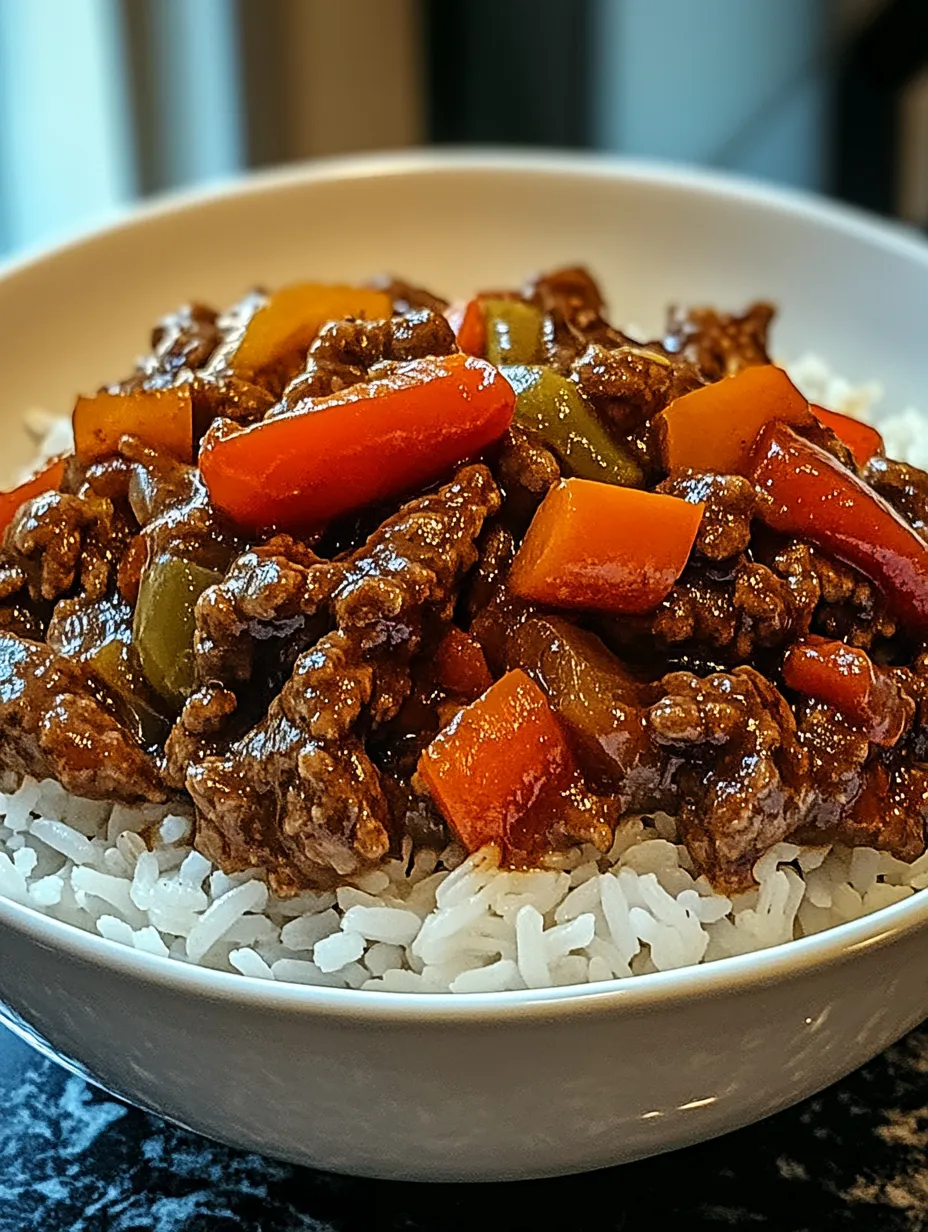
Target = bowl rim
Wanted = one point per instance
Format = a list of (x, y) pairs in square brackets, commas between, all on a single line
[(736, 974)]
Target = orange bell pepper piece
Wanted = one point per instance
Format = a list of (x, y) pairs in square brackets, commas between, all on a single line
[(161, 418), (469, 325), (806, 492), (293, 316), (862, 440), (459, 665), (493, 761), (604, 548), (377, 439), (714, 427), (847, 679), (48, 479)]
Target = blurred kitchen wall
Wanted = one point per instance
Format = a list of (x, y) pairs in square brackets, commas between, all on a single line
[(105, 101)]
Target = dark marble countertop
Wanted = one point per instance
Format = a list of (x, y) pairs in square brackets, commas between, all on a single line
[(855, 1157)]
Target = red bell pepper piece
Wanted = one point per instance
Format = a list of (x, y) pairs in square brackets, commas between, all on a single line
[(714, 427), (862, 440), (846, 678), (48, 479), (469, 325), (494, 760), (806, 492), (332, 454), (459, 665), (604, 548)]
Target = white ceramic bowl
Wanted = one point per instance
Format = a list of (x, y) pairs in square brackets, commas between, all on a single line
[(508, 1084)]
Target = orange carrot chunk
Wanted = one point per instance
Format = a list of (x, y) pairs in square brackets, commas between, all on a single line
[(862, 440), (48, 479), (161, 418), (845, 677), (460, 666), (713, 428), (603, 548), (293, 316), (493, 761)]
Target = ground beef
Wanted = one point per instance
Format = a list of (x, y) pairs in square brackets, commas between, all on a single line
[(730, 503), (573, 306), (406, 297), (717, 343), (525, 469), (628, 386), (181, 343), (832, 598), (737, 766), (904, 487), (272, 591), (53, 725), (726, 613), (61, 540), (298, 794), (345, 351)]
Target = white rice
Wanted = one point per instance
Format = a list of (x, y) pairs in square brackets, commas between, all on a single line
[(440, 923)]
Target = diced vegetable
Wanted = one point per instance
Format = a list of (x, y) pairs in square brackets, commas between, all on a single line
[(597, 699), (846, 678), (293, 316), (48, 479), (862, 440), (114, 664), (514, 332), (603, 548), (337, 453), (806, 492), (553, 406), (163, 628), (714, 427), (493, 761), (161, 418), (467, 321), (460, 667)]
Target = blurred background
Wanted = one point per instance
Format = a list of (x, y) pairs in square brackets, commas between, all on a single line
[(106, 101)]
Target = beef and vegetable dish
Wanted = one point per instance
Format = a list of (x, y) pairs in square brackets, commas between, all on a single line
[(356, 571)]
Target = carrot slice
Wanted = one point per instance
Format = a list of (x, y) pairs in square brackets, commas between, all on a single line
[(845, 677), (600, 547), (48, 479), (293, 316), (862, 440), (713, 428), (469, 325), (460, 666), (377, 439), (493, 761), (162, 418)]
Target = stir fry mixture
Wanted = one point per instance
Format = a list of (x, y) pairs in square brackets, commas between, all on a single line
[(351, 566)]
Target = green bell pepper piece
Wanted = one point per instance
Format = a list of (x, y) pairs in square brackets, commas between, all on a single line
[(553, 407), (163, 628), (115, 665), (515, 332)]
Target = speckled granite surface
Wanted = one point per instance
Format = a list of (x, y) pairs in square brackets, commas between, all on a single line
[(856, 1157)]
